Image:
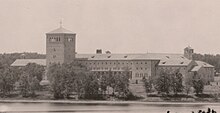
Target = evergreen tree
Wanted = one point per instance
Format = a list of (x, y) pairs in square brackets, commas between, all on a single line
[(163, 82), (177, 82)]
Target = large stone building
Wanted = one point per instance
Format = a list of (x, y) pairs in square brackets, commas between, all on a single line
[(61, 46)]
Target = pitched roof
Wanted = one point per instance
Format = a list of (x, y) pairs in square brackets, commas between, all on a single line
[(24, 62), (165, 59), (196, 68), (61, 30), (115, 57), (204, 64)]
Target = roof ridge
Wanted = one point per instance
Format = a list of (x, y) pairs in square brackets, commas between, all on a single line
[(61, 30)]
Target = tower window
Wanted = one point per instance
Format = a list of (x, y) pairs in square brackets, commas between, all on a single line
[(70, 39)]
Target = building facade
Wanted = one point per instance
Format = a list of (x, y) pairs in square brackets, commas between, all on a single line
[(61, 48)]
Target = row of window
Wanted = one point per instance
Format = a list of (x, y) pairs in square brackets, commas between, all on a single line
[(141, 75), (101, 73), (54, 39), (115, 68), (108, 68), (57, 39), (97, 63), (172, 68)]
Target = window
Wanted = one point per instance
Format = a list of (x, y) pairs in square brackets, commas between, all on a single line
[(141, 75), (54, 56), (52, 39), (70, 39), (54, 49)]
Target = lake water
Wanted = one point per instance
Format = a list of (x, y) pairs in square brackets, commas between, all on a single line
[(105, 108)]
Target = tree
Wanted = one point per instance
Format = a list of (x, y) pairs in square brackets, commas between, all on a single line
[(103, 84), (163, 82), (55, 75), (198, 85), (7, 81), (91, 87), (112, 81), (147, 85), (24, 85), (188, 84), (34, 70), (177, 82), (67, 78), (122, 84), (34, 86)]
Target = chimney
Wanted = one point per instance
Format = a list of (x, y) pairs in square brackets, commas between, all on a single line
[(98, 51), (108, 52)]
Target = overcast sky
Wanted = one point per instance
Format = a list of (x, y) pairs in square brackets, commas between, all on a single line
[(121, 26)]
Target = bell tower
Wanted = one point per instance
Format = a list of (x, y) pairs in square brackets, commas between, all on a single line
[(60, 46), (188, 52)]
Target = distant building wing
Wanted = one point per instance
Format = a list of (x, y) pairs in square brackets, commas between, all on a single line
[(204, 64), (24, 62)]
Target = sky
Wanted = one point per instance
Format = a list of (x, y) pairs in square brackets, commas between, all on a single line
[(120, 26)]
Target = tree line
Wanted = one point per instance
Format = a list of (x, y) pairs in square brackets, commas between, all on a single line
[(71, 79), (66, 80), (24, 81), (168, 81)]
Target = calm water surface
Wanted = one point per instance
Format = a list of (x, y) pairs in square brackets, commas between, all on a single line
[(106, 108)]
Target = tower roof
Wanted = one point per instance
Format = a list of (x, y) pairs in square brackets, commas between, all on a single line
[(188, 47), (61, 30)]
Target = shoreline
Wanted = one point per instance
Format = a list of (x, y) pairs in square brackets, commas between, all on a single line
[(102, 102)]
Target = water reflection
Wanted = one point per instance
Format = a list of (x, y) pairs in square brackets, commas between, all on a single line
[(105, 108)]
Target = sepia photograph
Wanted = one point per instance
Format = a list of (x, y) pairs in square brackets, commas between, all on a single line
[(109, 56)]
